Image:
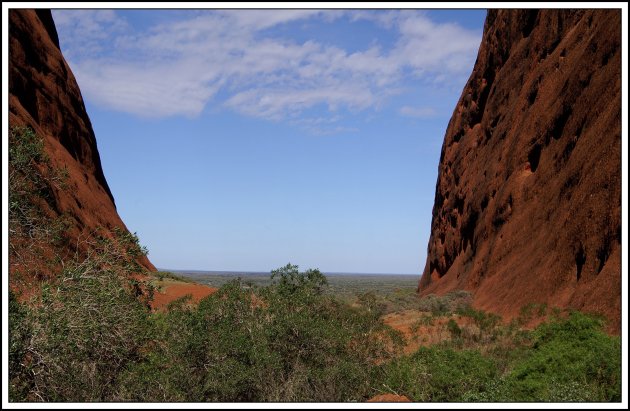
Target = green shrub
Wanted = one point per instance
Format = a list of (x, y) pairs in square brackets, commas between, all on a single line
[(445, 304), (20, 333), (167, 275), (86, 332), (372, 303), (487, 325), (570, 358), (438, 374), (454, 329), (90, 339), (289, 282), (85, 329), (530, 311)]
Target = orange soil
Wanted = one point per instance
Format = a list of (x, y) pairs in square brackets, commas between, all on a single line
[(177, 290), (417, 334), (389, 398)]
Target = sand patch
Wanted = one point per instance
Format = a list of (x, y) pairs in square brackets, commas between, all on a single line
[(171, 291)]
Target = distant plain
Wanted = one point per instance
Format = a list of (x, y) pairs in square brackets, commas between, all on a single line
[(339, 283)]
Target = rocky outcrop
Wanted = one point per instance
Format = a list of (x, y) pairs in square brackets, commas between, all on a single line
[(528, 198), (44, 95)]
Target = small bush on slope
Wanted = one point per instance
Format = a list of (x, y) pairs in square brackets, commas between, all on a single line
[(33, 231), (438, 374), (69, 343), (84, 330), (20, 332), (566, 360)]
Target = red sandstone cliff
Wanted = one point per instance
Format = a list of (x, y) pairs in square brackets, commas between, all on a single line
[(528, 198), (44, 95)]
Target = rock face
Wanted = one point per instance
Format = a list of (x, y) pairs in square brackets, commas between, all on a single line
[(44, 95), (528, 198)]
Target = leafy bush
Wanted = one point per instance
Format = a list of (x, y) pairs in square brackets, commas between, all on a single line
[(20, 333), (565, 360), (439, 374), (167, 275), (446, 304), (571, 360), (372, 303), (86, 332), (487, 325), (85, 328), (453, 328)]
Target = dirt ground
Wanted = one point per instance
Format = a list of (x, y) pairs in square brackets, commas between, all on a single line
[(170, 291), (389, 398), (420, 330)]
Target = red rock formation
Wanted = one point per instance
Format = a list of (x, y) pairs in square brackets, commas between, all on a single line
[(44, 95), (528, 198)]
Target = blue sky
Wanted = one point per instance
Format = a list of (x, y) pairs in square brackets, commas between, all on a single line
[(246, 139)]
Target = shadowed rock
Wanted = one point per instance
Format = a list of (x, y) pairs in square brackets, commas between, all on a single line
[(44, 95), (528, 197)]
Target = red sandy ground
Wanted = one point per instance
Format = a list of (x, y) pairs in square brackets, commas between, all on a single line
[(177, 290), (389, 398), (425, 335)]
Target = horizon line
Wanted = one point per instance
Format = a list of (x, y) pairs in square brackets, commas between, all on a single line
[(269, 272)]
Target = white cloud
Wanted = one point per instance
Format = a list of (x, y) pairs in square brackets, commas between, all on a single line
[(323, 126), (148, 91), (85, 31), (419, 112), (177, 68), (258, 20), (279, 104)]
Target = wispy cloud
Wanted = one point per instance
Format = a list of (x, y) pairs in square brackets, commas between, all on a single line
[(88, 32), (419, 112), (230, 59), (323, 126)]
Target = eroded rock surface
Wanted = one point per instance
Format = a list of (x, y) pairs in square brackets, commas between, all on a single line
[(528, 198), (44, 95)]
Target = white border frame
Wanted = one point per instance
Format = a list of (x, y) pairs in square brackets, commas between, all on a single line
[(315, 5)]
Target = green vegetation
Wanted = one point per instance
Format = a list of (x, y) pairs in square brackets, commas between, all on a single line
[(569, 360), (94, 341), (84, 329), (439, 374), (167, 275), (19, 335), (407, 299), (33, 227), (284, 342), (565, 360), (344, 286), (91, 336), (91, 339)]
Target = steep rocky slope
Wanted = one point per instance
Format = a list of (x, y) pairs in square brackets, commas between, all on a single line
[(44, 95), (528, 198)]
